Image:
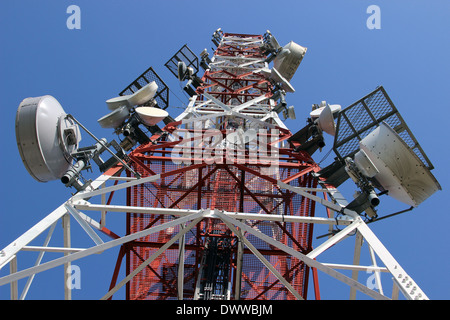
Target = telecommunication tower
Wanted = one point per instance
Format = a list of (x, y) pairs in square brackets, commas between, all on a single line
[(222, 200)]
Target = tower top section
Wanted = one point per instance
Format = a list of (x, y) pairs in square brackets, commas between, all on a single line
[(240, 85)]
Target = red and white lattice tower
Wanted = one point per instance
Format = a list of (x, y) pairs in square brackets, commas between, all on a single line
[(207, 171), (224, 203)]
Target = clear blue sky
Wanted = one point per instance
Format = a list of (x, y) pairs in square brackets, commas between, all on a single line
[(120, 39)]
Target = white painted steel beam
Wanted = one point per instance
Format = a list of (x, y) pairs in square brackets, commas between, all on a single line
[(334, 239), (96, 249), (51, 249), (67, 265), (356, 258), (11, 250), (406, 284), (90, 194), (265, 262), (355, 267), (328, 204), (309, 261), (38, 261), (86, 227), (14, 289), (198, 217), (344, 220)]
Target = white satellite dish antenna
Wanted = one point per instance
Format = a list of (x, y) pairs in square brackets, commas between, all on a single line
[(117, 102), (150, 116), (288, 62), (45, 137), (324, 116), (140, 97), (115, 118), (277, 77), (274, 75), (400, 171), (143, 95)]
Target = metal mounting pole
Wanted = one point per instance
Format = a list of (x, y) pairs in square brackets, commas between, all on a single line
[(68, 265), (102, 143), (181, 251), (14, 288), (239, 260), (356, 257)]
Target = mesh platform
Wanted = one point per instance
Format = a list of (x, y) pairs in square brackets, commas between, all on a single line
[(162, 94), (186, 55), (362, 117)]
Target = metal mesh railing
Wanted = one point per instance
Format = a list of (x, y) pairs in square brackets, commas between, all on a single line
[(220, 191), (161, 96), (186, 55), (359, 119)]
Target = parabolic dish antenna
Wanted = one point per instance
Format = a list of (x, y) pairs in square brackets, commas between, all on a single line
[(117, 102), (45, 138), (143, 95), (140, 97), (115, 118), (400, 171), (335, 108), (325, 117), (275, 75), (150, 116)]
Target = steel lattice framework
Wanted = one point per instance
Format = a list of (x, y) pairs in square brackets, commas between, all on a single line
[(214, 217), (232, 95)]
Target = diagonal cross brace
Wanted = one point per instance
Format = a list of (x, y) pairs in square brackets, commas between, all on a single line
[(310, 262)]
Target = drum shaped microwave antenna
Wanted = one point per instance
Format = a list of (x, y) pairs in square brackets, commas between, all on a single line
[(398, 170), (372, 134), (46, 138), (289, 59)]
